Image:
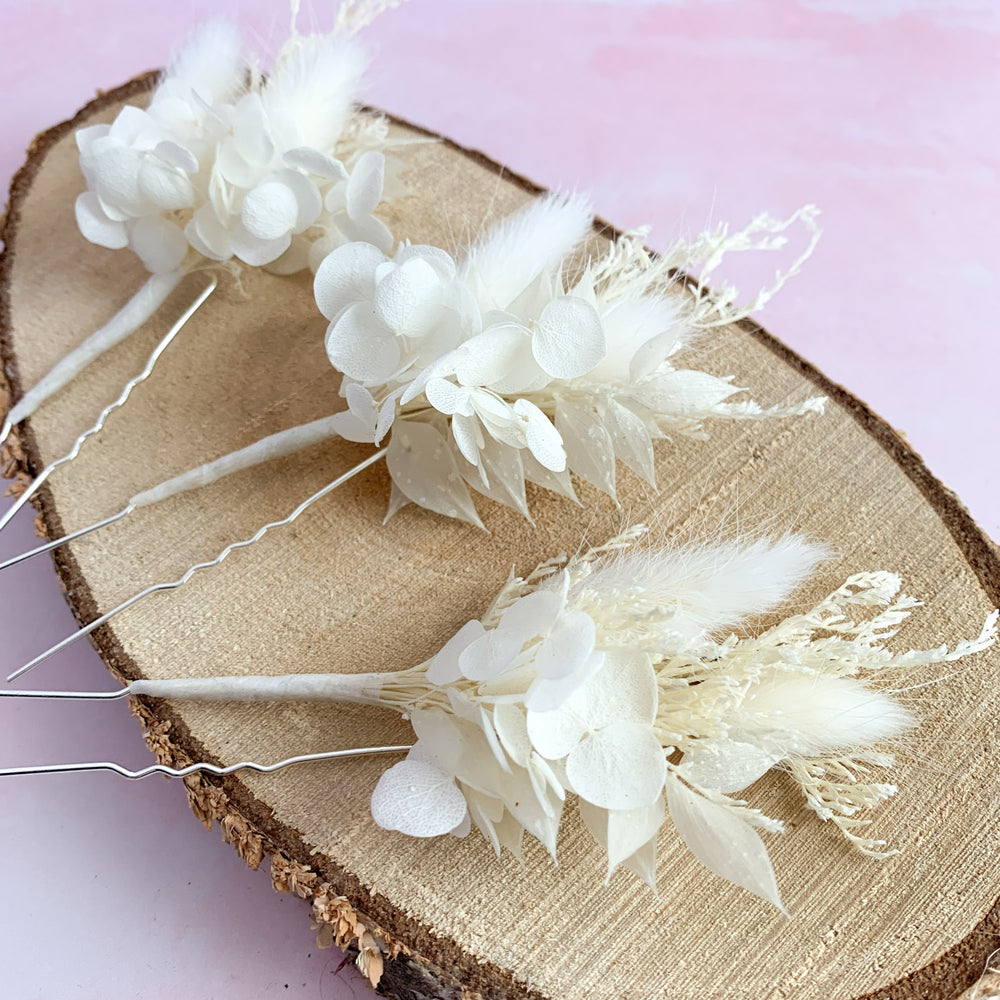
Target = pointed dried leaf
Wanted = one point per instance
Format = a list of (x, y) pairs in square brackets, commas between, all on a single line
[(423, 466), (722, 841)]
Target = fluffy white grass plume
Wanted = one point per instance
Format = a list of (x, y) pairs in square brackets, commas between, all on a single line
[(211, 64), (517, 363), (609, 677), (227, 164)]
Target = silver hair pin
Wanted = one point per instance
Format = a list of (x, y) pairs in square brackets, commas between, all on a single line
[(181, 772), (174, 584), (97, 427)]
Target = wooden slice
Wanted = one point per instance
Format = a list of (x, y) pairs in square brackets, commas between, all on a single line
[(341, 591)]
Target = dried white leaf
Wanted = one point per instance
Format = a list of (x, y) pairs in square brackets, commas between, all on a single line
[(723, 842)]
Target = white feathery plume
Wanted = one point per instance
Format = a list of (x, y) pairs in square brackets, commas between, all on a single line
[(211, 63), (516, 251), (312, 89), (579, 681)]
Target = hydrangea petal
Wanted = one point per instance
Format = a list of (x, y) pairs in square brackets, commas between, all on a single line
[(533, 615), (254, 251), (546, 694), (365, 229), (621, 766), (116, 169), (491, 356), (317, 163), (269, 210), (543, 439), (207, 235), (417, 799), (165, 186), (346, 276), (351, 428), (293, 260), (437, 258), (234, 167), (723, 842), (95, 225), (555, 733), (489, 656), (408, 299), (568, 340), (160, 245), (448, 398), (364, 189), (86, 136), (567, 646), (307, 197), (624, 690), (177, 156), (444, 669), (359, 346)]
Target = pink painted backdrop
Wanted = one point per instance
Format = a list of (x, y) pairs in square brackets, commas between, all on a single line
[(883, 112)]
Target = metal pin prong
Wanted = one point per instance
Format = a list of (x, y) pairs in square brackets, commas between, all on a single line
[(180, 772), (36, 484)]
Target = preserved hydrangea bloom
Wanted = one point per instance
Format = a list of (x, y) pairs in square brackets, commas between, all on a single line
[(232, 165), (644, 712), (499, 368)]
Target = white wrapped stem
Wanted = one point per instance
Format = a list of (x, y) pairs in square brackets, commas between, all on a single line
[(125, 322), (362, 689), (273, 446)]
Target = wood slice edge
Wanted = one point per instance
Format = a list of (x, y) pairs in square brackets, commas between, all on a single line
[(417, 963)]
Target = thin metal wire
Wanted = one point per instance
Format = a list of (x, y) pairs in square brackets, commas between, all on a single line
[(180, 772), (69, 695), (174, 584), (72, 537), (5, 433), (105, 413)]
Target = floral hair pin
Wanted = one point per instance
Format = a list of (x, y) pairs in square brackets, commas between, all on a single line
[(225, 168), (501, 368), (614, 677)]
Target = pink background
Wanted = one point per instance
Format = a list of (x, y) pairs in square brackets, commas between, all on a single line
[(883, 112)]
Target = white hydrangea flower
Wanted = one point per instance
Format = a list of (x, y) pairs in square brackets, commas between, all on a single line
[(659, 717), (228, 164), (505, 371)]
